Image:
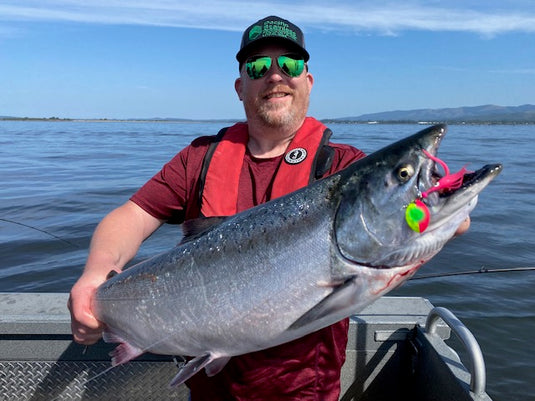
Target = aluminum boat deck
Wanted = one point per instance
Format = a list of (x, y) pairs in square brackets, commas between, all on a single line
[(396, 351)]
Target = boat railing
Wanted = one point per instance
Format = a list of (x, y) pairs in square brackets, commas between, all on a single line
[(477, 363)]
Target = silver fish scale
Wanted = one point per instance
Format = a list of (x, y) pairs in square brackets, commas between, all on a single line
[(67, 380)]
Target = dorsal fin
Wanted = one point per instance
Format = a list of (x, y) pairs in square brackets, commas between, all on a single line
[(193, 228)]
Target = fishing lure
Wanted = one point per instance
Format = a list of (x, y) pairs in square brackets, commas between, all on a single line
[(417, 216), (449, 181), (417, 213)]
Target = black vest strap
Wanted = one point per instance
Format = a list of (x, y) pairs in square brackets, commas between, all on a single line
[(324, 158)]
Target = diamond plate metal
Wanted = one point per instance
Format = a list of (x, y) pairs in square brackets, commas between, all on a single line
[(74, 380)]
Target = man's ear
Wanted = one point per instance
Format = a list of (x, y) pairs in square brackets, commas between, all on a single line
[(238, 87), (310, 79)]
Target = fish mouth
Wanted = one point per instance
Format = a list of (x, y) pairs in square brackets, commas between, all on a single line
[(473, 182), (486, 173), (437, 189), (469, 179), (450, 197)]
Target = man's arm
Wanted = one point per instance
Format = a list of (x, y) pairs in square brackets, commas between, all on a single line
[(116, 241)]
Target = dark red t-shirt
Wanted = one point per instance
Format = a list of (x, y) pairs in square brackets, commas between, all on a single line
[(304, 369), (173, 193)]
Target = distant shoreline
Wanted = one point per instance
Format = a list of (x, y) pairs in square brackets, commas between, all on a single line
[(474, 115), (325, 121), (116, 120)]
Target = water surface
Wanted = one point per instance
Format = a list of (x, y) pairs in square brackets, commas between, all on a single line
[(63, 177)]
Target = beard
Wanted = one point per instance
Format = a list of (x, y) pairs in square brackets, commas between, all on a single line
[(280, 115), (276, 115)]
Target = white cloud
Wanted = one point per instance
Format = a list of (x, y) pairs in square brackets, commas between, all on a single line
[(356, 16)]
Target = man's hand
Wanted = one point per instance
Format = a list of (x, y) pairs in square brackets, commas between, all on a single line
[(463, 227), (86, 329)]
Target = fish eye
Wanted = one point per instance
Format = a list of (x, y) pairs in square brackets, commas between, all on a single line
[(405, 173)]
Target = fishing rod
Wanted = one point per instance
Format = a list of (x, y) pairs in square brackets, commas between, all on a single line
[(38, 229), (422, 277), (480, 271)]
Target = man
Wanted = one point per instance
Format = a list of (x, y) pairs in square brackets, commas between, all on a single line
[(276, 151)]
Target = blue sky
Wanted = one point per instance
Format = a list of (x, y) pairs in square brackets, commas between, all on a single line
[(163, 58)]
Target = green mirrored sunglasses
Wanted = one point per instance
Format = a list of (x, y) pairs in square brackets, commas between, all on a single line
[(258, 66)]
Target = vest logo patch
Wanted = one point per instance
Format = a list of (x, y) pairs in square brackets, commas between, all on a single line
[(295, 156)]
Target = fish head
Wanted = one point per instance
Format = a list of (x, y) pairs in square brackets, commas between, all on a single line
[(371, 227)]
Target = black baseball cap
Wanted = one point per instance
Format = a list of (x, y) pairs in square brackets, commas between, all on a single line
[(270, 29)]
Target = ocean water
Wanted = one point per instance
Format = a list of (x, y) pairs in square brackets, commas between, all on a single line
[(58, 179)]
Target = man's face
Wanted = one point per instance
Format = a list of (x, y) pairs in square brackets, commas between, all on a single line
[(275, 99)]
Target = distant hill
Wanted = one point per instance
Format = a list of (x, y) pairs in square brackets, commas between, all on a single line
[(491, 114), (476, 114)]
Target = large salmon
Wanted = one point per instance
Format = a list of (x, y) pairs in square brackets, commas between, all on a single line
[(291, 266)]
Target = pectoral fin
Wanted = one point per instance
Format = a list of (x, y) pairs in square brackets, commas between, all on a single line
[(208, 361), (341, 298), (124, 352), (214, 367)]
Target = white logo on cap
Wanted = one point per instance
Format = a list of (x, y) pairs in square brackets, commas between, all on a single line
[(295, 156)]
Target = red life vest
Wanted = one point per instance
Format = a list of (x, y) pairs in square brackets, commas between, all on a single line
[(220, 185)]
